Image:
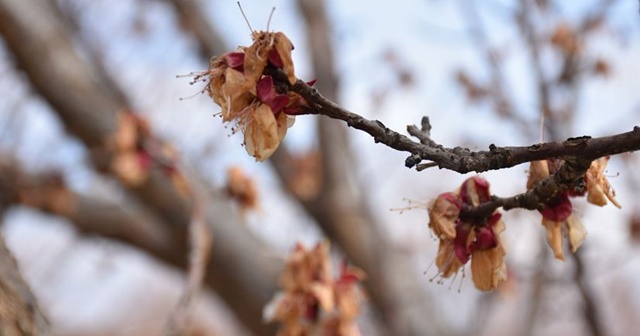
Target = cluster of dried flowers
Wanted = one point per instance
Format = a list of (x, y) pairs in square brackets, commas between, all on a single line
[(312, 302), (557, 214), (477, 239), (135, 151), (259, 108)]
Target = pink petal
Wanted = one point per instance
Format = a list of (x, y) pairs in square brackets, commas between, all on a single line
[(278, 103), (558, 209), (485, 238), (274, 58), (460, 247), (235, 60), (264, 88)]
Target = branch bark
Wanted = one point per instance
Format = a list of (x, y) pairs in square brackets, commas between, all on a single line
[(20, 314), (19, 311), (463, 160)]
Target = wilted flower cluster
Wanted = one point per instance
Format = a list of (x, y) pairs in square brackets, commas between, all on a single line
[(259, 108), (477, 240), (136, 151), (557, 215), (312, 302)]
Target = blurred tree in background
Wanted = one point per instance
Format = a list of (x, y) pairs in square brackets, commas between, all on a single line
[(129, 211)]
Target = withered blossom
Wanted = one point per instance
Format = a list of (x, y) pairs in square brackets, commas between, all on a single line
[(312, 302), (248, 97), (558, 217), (476, 240)]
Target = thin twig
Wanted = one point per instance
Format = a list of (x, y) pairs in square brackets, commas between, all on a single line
[(591, 315), (463, 160), (200, 239)]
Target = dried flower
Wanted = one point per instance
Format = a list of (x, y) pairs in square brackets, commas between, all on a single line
[(557, 215), (312, 302), (250, 99), (598, 187), (477, 240)]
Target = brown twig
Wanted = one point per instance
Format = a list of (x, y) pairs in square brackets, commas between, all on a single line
[(463, 160), (578, 153), (591, 315)]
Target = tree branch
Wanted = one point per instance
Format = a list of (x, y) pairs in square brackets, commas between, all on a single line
[(463, 160), (19, 311)]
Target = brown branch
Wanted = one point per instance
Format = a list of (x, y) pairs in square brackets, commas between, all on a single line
[(19, 311), (591, 315), (463, 160), (570, 174)]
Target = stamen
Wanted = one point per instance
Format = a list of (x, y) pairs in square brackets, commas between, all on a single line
[(245, 18), (191, 74), (462, 280), (203, 90), (453, 281), (270, 16), (429, 267)]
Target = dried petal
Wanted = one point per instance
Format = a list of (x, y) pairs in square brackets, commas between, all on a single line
[(235, 60), (538, 171), (485, 238), (577, 233), (267, 94), (475, 191), (554, 237), (558, 208), (284, 46), (348, 302), (324, 294), (446, 261), (256, 57), (261, 136), (598, 187), (488, 268), (443, 215), (465, 236), (234, 97), (305, 268)]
